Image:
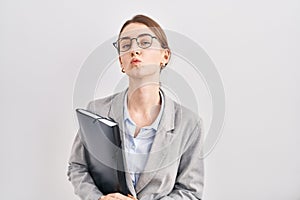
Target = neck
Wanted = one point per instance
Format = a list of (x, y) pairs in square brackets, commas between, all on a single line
[(144, 98)]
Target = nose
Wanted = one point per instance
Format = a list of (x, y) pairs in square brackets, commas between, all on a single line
[(135, 52), (135, 49)]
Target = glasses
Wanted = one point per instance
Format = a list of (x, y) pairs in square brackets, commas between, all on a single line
[(144, 41)]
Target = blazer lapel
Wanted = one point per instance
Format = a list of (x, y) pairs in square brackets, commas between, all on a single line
[(161, 141)]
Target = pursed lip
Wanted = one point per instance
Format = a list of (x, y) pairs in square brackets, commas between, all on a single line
[(134, 61)]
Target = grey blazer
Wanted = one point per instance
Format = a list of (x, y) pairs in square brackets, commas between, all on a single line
[(174, 169)]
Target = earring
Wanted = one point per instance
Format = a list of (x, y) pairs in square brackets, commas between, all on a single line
[(123, 70), (162, 65)]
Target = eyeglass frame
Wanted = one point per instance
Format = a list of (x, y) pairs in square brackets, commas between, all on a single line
[(115, 44)]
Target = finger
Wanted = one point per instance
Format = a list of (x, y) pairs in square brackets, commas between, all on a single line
[(112, 196), (131, 197), (119, 196)]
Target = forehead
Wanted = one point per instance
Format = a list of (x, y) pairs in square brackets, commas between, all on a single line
[(135, 29)]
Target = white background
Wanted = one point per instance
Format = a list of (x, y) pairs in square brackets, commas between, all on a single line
[(254, 45)]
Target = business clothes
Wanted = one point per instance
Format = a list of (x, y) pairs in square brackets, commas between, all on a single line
[(174, 169)]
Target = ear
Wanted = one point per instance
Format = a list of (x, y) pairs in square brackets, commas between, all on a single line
[(120, 60), (166, 54)]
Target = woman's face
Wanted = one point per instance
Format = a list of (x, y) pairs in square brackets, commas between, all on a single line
[(141, 62)]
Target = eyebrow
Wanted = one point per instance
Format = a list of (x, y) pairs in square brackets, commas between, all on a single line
[(127, 37)]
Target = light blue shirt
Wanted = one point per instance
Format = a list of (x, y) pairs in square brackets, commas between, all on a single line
[(137, 148)]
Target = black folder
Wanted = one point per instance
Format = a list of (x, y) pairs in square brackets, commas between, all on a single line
[(101, 138)]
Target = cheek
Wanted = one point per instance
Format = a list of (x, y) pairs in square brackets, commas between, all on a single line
[(125, 59), (153, 56)]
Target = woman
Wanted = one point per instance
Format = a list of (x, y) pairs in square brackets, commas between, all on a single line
[(161, 138)]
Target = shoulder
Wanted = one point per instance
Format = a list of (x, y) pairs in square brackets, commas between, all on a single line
[(102, 105)]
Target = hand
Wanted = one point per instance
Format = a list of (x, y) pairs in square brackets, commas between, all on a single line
[(117, 196)]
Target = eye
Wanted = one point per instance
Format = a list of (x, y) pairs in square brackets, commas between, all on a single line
[(145, 42), (125, 46)]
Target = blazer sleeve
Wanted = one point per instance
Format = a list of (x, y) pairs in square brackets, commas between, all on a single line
[(190, 178), (79, 175)]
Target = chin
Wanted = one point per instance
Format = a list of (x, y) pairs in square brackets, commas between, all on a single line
[(140, 74)]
